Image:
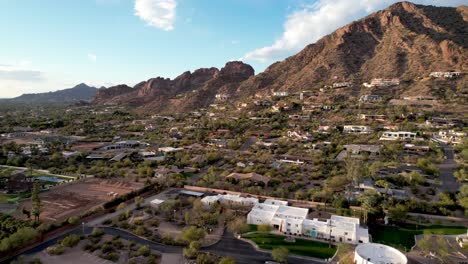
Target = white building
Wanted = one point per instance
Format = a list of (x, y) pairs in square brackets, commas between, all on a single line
[(229, 200), (399, 135), (280, 94), (357, 129), (449, 137), (373, 253), (444, 74), (221, 97), (342, 84), (156, 203), (379, 82), (370, 98), (293, 221)]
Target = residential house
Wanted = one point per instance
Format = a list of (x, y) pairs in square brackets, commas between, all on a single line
[(356, 129), (341, 84), (449, 137), (293, 221), (280, 94), (354, 150), (370, 98), (300, 136), (368, 117), (413, 149), (448, 75), (380, 82), (229, 200), (399, 135)]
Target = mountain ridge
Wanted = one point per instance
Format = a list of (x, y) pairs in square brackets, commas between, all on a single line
[(404, 41)]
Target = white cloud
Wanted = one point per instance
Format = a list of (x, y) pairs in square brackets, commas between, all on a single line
[(20, 73), (157, 13), (92, 57), (316, 20)]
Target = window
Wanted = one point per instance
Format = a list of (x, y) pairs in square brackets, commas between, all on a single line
[(349, 239), (345, 233)]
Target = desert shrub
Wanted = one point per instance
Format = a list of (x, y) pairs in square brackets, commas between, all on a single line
[(70, 241), (55, 250)]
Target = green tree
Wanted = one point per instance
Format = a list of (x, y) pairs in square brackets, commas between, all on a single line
[(144, 251), (36, 202), (192, 234), (397, 213), (238, 225), (264, 228), (280, 254)]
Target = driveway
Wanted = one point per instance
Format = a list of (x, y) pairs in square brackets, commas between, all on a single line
[(448, 181)]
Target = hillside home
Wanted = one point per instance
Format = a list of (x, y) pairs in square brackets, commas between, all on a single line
[(413, 149), (126, 144), (354, 150), (341, 84), (380, 82), (280, 94), (399, 135), (300, 136), (448, 75), (449, 137), (370, 98), (221, 97), (356, 129), (368, 117)]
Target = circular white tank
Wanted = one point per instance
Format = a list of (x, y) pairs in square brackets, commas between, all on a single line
[(374, 253)]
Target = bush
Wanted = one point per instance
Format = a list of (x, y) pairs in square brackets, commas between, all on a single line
[(264, 228), (144, 251), (97, 232), (55, 250), (114, 257), (70, 241), (74, 220)]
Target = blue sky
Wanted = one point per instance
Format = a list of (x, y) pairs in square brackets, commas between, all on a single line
[(49, 44)]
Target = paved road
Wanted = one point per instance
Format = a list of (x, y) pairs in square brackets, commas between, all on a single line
[(448, 181)]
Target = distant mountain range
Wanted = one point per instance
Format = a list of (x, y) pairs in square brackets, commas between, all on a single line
[(80, 92), (404, 41)]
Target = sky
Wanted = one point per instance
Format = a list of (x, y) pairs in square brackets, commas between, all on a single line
[(49, 45)]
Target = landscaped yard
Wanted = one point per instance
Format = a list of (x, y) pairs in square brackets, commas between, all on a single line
[(403, 237), (300, 247)]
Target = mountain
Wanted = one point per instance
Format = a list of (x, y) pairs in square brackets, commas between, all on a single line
[(80, 92), (186, 92), (404, 41)]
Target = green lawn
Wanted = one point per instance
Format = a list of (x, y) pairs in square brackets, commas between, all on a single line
[(300, 247), (403, 237)]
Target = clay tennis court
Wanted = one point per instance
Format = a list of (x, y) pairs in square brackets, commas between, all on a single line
[(64, 201)]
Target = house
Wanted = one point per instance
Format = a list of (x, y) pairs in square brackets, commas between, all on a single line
[(221, 97), (380, 82), (218, 142), (438, 122), (356, 129), (280, 94), (413, 149), (370, 98), (163, 171), (357, 150), (169, 149), (368, 184), (95, 156), (252, 176), (300, 136), (126, 144), (399, 135), (191, 194), (293, 221), (294, 160), (368, 117), (341, 84), (229, 200), (448, 75), (150, 156), (449, 137), (68, 154), (325, 129), (299, 117)]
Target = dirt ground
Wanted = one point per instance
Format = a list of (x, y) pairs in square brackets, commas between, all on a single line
[(86, 146), (64, 201)]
